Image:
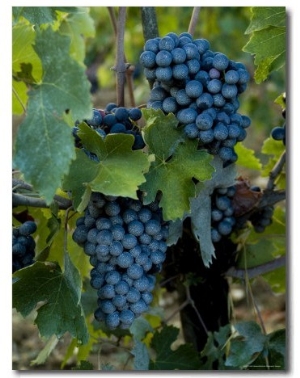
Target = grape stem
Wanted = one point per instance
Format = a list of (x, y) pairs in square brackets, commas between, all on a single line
[(257, 270), (194, 20)]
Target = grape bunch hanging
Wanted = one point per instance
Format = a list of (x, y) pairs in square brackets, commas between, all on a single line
[(126, 243), (23, 245), (201, 87)]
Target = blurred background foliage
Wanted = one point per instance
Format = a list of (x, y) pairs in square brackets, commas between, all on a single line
[(223, 27)]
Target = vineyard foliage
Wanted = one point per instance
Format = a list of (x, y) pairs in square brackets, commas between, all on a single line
[(53, 180)]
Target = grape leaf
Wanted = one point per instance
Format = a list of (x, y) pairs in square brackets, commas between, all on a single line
[(40, 15), (84, 365), (269, 47), (78, 25), (120, 169), (58, 295), (246, 157), (176, 164), (246, 347), (214, 348), (46, 351), (44, 144), (201, 207), (141, 355), (82, 171), (23, 37), (183, 358), (19, 97), (263, 17)]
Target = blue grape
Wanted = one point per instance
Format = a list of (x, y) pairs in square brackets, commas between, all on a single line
[(220, 131), (206, 136), (163, 58), (167, 43), (147, 59), (139, 307), (80, 234), (27, 228), (194, 88), (141, 284), (136, 228), (214, 86), (182, 98), (135, 271), (164, 73), (122, 287), (152, 227), (180, 71), (106, 292), (229, 90), (220, 61), (133, 295), (117, 232), (169, 105), (204, 121), (129, 241), (112, 320), (178, 55), (224, 227), (191, 130), (104, 237), (278, 133), (112, 277), (112, 208), (127, 317), (125, 260), (186, 116), (205, 101), (152, 45)]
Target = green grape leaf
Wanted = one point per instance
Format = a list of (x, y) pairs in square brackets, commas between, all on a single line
[(40, 15), (141, 355), (82, 171), (77, 25), (246, 157), (269, 47), (183, 358), (56, 293), (214, 349), (201, 206), (263, 17), (19, 97), (176, 163), (44, 144), (84, 365), (120, 169), (46, 351), (23, 37), (246, 347)]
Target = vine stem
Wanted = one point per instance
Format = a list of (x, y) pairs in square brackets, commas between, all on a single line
[(257, 270), (276, 171), (120, 66), (194, 20), (129, 67), (19, 199)]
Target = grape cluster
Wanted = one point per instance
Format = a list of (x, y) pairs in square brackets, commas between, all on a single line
[(222, 213), (23, 245), (126, 243), (111, 120), (262, 218), (278, 132), (201, 88)]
